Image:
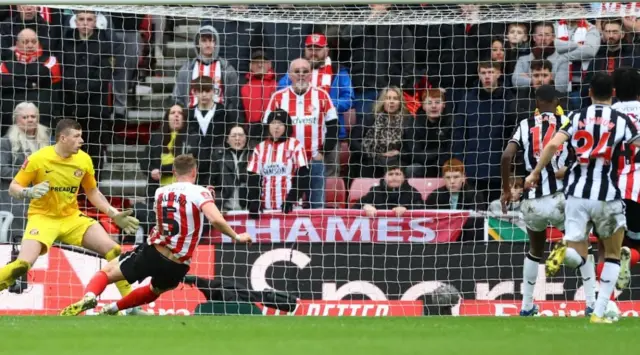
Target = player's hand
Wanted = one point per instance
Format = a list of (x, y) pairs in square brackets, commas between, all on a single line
[(561, 172), (125, 221), (37, 191), (244, 238), (532, 180), (505, 199)]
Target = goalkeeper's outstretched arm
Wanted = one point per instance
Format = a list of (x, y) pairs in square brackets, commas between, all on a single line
[(123, 219), (16, 190)]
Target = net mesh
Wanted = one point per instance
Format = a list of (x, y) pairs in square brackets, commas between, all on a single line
[(435, 91)]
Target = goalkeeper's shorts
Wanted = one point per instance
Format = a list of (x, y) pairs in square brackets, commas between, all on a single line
[(68, 230), (146, 261)]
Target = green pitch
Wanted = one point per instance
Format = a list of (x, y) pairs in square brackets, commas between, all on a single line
[(315, 336)]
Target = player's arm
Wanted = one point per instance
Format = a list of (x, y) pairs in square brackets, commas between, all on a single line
[(19, 187), (218, 222), (550, 150), (123, 219), (505, 164)]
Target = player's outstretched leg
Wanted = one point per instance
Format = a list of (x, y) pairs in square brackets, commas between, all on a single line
[(140, 296), (109, 274), (530, 272), (575, 256), (29, 253)]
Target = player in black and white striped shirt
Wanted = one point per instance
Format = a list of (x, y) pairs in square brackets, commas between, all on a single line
[(593, 197), (544, 205)]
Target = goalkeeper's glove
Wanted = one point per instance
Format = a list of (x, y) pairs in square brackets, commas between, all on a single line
[(125, 221), (36, 191)]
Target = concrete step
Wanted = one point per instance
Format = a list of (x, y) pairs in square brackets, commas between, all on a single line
[(125, 188), (160, 84), (187, 32), (170, 66), (146, 115), (122, 166), (181, 49), (186, 21), (154, 101), (121, 153)]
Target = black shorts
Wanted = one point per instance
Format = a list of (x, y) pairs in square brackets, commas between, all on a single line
[(145, 261), (632, 212)]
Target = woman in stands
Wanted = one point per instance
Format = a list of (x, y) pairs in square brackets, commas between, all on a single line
[(24, 137), (230, 171), (378, 141)]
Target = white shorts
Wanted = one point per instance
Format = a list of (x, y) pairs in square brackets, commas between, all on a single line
[(605, 217), (539, 213)]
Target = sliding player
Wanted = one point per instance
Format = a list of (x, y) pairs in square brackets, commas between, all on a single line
[(167, 254), (56, 173), (544, 205), (593, 197)]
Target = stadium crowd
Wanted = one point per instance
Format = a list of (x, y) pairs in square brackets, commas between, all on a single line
[(285, 116)]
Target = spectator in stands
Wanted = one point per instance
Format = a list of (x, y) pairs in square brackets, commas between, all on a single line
[(543, 39), (88, 70), (278, 168), (378, 142), (230, 172), (332, 78), (284, 40), (207, 123), (237, 38), (381, 56), (578, 41), (315, 123), (23, 138), (226, 90), (33, 75), (256, 93), (518, 39), (125, 28), (541, 74), (615, 52), (392, 194), (484, 122), (164, 145), (517, 189), (456, 194), (44, 21), (427, 138)]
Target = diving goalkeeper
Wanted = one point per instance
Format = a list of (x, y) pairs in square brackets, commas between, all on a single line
[(51, 178)]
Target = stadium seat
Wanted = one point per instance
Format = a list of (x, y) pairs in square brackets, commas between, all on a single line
[(360, 187), (335, 193), (344, 158), (426, 186)]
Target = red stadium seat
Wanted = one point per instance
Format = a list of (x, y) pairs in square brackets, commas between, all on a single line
[(426, 186), (360, 187), (335, 193)]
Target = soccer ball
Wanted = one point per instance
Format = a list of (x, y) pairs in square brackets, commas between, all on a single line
[(612, 311)]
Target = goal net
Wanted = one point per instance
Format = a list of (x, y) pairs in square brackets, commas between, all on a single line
[(387, 165)]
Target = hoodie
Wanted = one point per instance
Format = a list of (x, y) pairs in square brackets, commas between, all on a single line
[(230, 86)]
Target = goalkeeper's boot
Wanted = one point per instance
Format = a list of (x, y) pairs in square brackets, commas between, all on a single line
[(87, 302), (555, 259), (137, 311), (6, 284), (600, 320), (588, 311), (530, 313), (624, 278), (20, 284)]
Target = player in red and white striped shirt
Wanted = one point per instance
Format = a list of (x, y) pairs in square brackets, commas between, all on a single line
[(315, 122), (278, 167), (181, 208)]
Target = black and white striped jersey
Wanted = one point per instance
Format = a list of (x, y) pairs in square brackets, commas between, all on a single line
[(532, 135), (597, 133)]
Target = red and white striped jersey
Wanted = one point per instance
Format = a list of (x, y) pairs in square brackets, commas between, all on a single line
[(277, 164), (629, 164), (309, 113), (212, 70), (179, 218)]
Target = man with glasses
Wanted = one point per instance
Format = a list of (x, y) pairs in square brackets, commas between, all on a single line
[(314, 120)]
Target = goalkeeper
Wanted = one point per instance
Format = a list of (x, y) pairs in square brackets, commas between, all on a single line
[(55, 174)]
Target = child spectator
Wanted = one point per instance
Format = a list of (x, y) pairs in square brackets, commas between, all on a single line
[(427, 138), (456, 194), (517, 188), (230, 172), (393, 194), (256, 93)]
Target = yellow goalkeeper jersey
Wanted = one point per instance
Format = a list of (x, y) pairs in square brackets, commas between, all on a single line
[(65, 176)]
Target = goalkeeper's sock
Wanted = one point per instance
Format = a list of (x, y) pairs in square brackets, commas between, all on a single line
[(588, 273), (10, 272), (124, 288), (97, 284), (607, 285), (530, 275), (572, 258), (138, 297)]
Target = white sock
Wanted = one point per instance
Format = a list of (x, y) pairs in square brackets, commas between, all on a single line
[(530, 275), (588, 273), (608, 280), (90, 294), (572, 259)]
